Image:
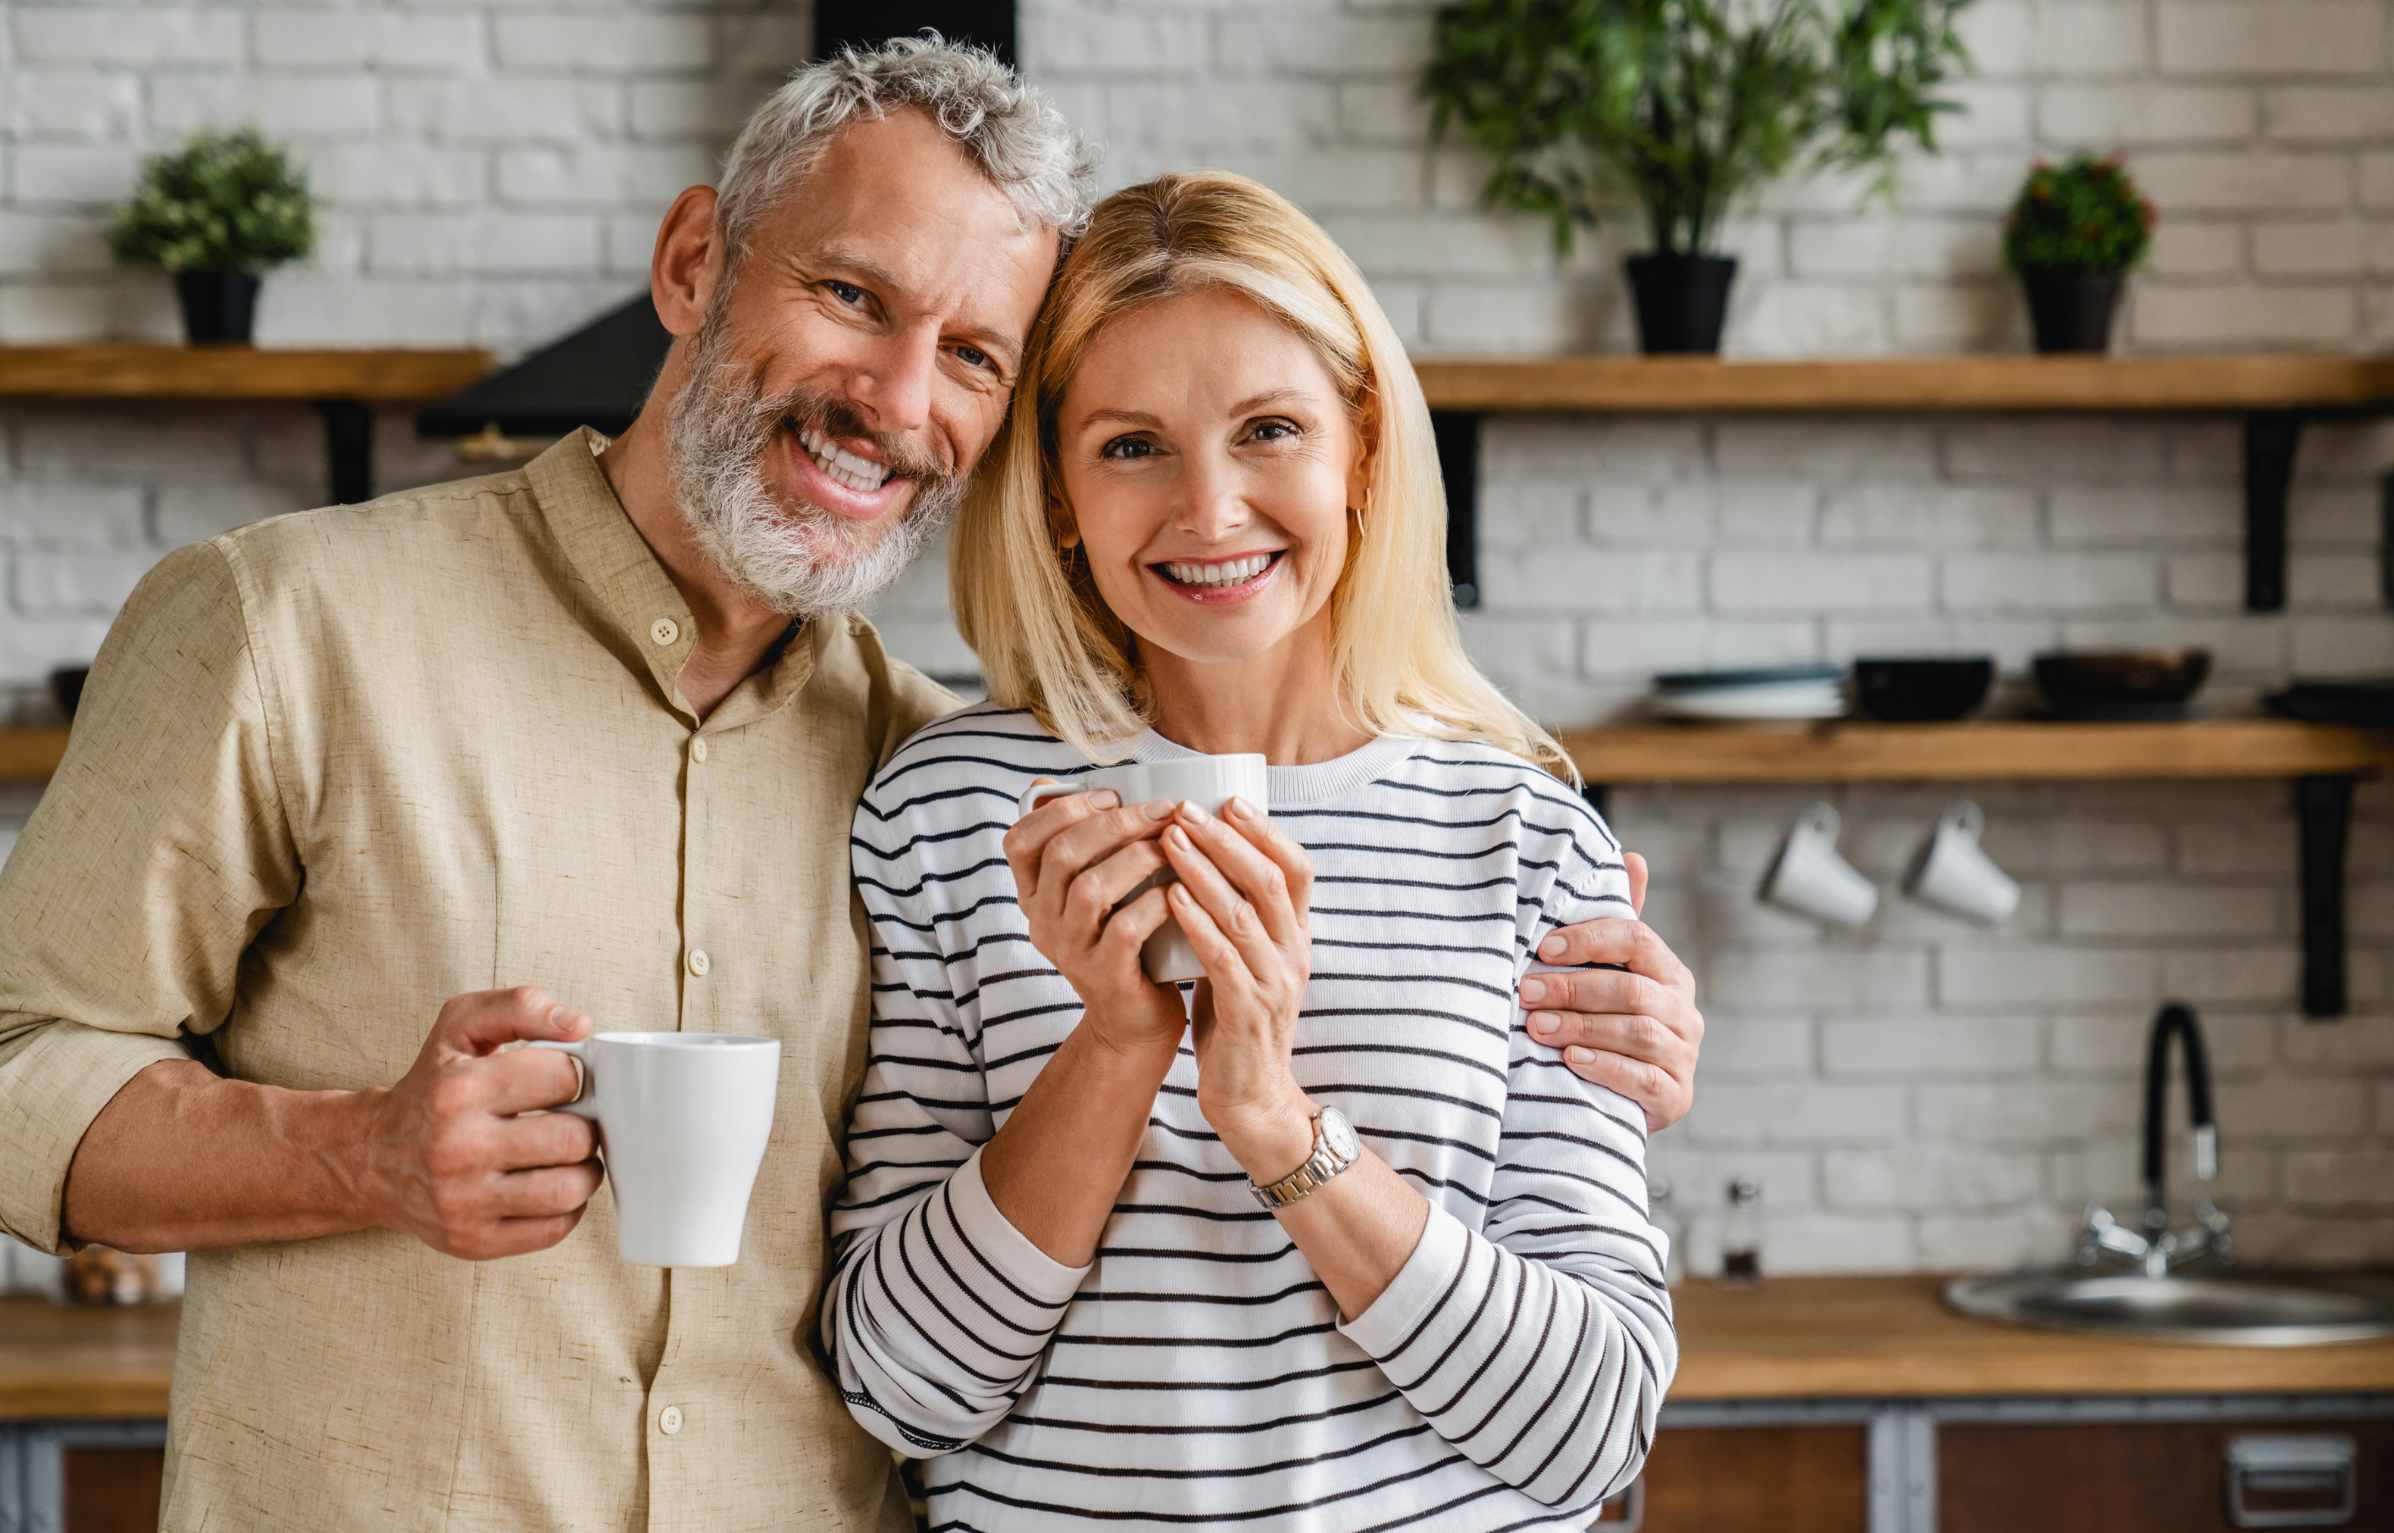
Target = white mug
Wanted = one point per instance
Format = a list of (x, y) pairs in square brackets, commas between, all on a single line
[(682, 1120), (1209, 781), (1810, 878), (1953, 872)]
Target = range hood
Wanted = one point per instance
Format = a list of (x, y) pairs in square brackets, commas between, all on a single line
[(598, 375)]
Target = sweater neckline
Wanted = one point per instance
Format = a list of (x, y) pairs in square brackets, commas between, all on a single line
[(1310, 782)]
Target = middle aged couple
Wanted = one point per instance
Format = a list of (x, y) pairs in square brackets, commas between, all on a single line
[(603, 726)]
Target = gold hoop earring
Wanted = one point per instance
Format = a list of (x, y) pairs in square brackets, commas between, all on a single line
[(1355, 515)]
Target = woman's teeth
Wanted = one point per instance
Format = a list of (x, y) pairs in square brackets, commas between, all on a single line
[(1230, 573), (862, 475)]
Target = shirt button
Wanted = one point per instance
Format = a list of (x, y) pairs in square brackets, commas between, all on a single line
[(698, 748), (669, 1420), (664, 630), (699, 962)]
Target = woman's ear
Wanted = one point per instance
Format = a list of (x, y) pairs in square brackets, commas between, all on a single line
[(1367, 450), (1061, 526)]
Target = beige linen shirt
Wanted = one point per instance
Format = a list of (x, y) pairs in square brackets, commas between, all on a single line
[(336, 767)]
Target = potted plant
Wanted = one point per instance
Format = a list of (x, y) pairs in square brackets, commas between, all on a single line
[(2077, 229), (1688, 107), (214, 215)]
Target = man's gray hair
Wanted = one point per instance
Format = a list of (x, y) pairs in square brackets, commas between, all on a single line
[(1013, 132)]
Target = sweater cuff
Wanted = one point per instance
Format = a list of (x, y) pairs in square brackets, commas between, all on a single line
[(1012, 1253), (53, 1083), (1427, 1278)]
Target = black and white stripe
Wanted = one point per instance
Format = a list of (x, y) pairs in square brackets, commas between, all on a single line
[(1196, 1374)]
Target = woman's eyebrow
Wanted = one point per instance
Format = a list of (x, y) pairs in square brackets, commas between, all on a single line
[(1279, 396), (1123, 417)]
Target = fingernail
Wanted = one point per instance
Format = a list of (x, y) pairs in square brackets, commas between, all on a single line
[(1575, 1055), (1106, 798), (1242, 810), (1533, 990), (1177, 839), (1194, 810), (1543, 1023), (1552, 947), (1159, 810)]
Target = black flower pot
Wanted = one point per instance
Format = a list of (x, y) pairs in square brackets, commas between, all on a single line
[(1683, 300), (2071, 310), (220, 308)]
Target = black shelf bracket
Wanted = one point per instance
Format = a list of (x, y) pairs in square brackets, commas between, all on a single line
[(1458, 434), (348, 450), (2269, 443), (2324, 806)]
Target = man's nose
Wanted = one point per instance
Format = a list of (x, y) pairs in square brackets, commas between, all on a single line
[(892, 384)]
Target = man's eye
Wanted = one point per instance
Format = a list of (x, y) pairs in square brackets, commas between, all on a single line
[(974, 356), (846, 292), (1126, 447)]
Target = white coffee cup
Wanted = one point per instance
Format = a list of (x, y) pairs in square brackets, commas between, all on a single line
[(682, 1120), (1954, 873), (1808, 876), (1209, 781)]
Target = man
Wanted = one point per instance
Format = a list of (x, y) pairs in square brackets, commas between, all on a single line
[(347, 785)]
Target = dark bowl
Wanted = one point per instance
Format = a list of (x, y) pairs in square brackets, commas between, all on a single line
[(1922, 691), (2121, 683), (66, 684)]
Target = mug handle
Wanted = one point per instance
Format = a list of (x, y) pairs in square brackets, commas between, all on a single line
[(1967, 817), (580, 1106), (1040, 792)]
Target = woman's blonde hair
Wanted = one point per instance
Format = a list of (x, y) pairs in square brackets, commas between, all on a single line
[(1047, 640)]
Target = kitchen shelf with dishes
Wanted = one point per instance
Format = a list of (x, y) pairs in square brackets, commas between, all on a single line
[(2274, 396), (343, 384), (2109, 716)]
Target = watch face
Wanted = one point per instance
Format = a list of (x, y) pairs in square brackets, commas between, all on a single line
[(1339, 1134)]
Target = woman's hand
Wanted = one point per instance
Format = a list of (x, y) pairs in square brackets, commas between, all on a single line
[(1242, 897), (1074, 859), (1635, 1029)]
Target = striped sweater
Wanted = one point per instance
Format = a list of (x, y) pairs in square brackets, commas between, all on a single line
[(1196, 1373)]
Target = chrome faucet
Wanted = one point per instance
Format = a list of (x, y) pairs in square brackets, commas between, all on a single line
[(2156, 1248)]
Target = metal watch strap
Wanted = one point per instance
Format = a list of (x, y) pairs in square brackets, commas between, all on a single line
[(1320, 1167)]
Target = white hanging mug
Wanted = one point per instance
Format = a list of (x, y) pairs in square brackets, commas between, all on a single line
[(682, 1120), (1808, 876), (1209, 781), (1954, 873)]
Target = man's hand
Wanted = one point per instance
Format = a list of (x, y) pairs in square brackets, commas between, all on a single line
[(446, 1158), (1639, 1031)]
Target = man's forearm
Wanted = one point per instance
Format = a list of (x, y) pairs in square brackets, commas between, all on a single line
[(1057, 1167), (183, 1160)]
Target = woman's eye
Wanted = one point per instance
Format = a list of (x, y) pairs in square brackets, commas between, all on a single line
[(846, 292), (1273, 431), (1126, 447)]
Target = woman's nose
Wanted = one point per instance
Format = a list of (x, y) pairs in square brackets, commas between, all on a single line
[(1213, 500)]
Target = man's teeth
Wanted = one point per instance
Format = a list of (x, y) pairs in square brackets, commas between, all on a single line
[(860, 474), (1229, 573)]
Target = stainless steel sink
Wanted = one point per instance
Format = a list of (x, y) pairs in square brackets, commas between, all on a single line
[(2227, 1307)]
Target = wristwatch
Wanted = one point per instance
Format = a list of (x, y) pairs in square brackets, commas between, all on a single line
[(1335, 1147)]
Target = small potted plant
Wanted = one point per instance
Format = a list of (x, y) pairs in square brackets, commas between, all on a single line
[(214, 215), (2077, 229), (1688, 107)]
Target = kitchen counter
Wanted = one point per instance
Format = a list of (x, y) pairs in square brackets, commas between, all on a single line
[(1789, 1338)]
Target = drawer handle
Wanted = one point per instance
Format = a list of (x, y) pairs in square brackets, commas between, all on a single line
[(2320, 1469)]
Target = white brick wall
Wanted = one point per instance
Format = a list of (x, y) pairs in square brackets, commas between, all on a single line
[(1921, 1093)]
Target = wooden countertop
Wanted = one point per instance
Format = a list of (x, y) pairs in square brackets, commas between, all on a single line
[(1893, 1337), (60, 1363), (1786, 1339)]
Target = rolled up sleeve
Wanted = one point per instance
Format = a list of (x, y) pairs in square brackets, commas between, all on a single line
[(158, 852)]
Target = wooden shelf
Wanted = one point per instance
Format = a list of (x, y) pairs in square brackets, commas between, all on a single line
[(30, 755), (2042, 384), (62, 1363), (236, 372), (1862, 752)]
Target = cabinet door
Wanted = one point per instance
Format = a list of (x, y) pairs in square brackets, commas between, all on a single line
[(2169, 1477), (111, 1490), (1794, 1479)]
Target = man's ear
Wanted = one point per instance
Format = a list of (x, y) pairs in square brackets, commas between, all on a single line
[(687, 264)]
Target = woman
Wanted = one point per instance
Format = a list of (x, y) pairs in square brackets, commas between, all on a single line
[(1070, 1262)]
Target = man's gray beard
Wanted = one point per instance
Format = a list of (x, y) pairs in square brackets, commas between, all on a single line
[(801, 560)]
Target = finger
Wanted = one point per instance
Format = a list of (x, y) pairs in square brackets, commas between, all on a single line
[(1638, 1037), (543, 1139), (524, 1079), (480, 1022), (1131, 926), (1095, 838), (520, 1237), (545, 1192), (1594, 991), (1095, 892), (1617, 939), (1663, 1100), (1221, 960), (1295, 864), (1253, 874), (1637, 881), (1030, 835)]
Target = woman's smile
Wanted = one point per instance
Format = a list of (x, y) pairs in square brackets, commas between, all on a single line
[(1220, 582)]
